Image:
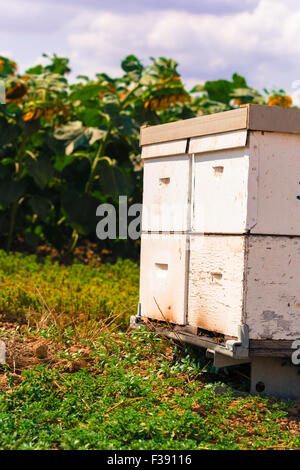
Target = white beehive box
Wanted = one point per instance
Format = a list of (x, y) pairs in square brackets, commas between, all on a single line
[(226, 188), (223, 282), (240, 181)]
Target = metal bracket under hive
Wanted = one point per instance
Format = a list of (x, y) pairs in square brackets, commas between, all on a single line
[(232, 353)]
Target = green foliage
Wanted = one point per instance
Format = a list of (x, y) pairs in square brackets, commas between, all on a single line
[(28, 289), (222, 95)]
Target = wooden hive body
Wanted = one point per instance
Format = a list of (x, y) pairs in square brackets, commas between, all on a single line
[(221, 223)]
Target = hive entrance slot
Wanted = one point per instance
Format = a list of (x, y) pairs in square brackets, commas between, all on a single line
[(216, 276), (161, 270), (164, 181), (162, 266), (218, 171)]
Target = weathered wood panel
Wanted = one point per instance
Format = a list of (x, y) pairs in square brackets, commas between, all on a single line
[(278, 157), (215, 290), (272, 297), (166, 194), (203, 125), (271, 348), (163, 279), (221, 191), (251, 116), (273, 119), (253, 182), (225, 140), (177, 147)]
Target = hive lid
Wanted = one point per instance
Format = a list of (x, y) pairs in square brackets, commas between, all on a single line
[(254, 117)]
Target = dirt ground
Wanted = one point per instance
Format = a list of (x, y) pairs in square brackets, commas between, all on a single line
[(25, 352), (85, 252)]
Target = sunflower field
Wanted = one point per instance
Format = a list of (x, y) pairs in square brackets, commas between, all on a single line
[(66, 147)]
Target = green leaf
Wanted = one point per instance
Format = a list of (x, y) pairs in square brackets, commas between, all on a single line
[(59, 65), (126, 124), (11, 109), (91, 117), (198, 88), (8, 132), (110, 105), (38, 140), (4, 171), (69, 131), (75, 135), (83, 77), (6, 66), (32, 239), (10, 192), (218, 90), (41, 207), (61, 161), (210, 106), (86, 92), (37, 70), (238, 81), (81, 210), (247, 93), (87, 138), (133, 68), (51, 82), (131, 64), (40, 169), (114, 180)]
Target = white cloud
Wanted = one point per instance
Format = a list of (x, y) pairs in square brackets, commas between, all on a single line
[(5, 53), (210, 38), (102, 41), (263, 44)]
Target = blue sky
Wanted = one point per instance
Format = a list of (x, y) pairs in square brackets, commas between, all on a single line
[(210, 39)]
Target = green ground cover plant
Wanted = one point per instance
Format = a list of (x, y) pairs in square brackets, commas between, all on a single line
[(32, 289)]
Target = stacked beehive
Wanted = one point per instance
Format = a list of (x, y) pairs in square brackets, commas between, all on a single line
[(230, 252)]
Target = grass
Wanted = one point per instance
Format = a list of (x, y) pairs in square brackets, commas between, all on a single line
[(30, 288), (134, 390)]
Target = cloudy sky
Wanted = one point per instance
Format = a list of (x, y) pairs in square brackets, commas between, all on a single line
[(209, 38)]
